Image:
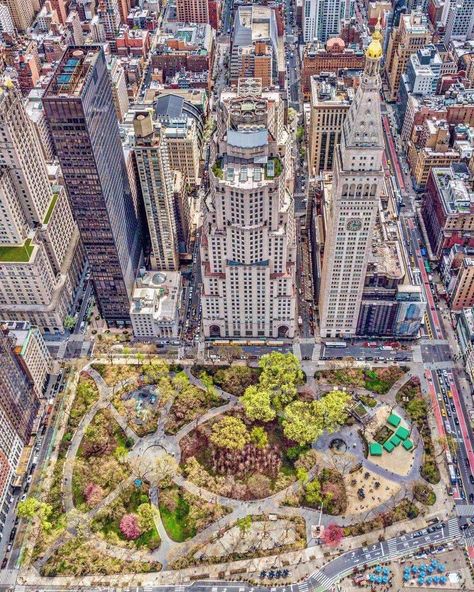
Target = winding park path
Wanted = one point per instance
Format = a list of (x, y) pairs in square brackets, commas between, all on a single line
[(170, 550)]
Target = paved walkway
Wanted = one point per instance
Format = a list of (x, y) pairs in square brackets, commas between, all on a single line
[(170, 550)]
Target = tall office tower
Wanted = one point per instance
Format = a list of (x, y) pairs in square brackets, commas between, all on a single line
[(23, 13), (460, 21), (181, 138), (156, 183), (353, 204), (330, 101), (80, 110), (322, 18), (412, 34), (40, 254), (248, 247), (109, 17), (192, 11), (18, 408)]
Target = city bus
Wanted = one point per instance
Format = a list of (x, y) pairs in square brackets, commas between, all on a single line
[(427, 266), (335, 344)]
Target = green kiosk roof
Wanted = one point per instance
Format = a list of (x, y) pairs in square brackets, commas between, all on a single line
[(395, 440), (394, 420), (402, 433), (388, 446), (375, 449), (407, 444)]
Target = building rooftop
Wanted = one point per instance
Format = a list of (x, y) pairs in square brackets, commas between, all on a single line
[(329, 88), (156, 293), (72, 71), (454, 189)]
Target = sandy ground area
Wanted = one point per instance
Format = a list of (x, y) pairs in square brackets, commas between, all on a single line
[(261, 536), (373, 495), (399, 461)]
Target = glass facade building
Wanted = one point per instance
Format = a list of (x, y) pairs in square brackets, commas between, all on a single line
[(79, 107)]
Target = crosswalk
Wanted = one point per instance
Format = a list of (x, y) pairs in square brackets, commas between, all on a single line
[(469, 540), (325, 583), (453, 528), (465, 509)]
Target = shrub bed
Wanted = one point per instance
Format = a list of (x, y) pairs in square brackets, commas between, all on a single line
[(405, 509)]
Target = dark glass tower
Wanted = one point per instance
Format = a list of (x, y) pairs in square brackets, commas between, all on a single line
[(79, 106)]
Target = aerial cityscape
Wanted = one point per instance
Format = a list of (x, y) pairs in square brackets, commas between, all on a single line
[(236, 295)]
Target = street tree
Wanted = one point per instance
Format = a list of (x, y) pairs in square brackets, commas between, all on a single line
[(332, 535), (33, 509), (281, 375)]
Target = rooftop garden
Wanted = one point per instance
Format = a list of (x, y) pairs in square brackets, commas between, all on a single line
[(20, 254), (217, 169), (273, 168)]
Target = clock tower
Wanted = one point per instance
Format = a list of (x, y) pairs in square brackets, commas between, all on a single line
[(352, 205)]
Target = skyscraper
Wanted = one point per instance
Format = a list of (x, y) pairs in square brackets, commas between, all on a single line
[(156, 181), (18, 408), (248, 248), (460, 22), (40, 253), (22, 12), (353, 204), (79, 106), (322, 18)]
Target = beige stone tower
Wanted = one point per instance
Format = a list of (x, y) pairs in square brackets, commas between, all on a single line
[(351, 207)]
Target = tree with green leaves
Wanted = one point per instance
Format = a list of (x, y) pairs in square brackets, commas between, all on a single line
[(259, 437), (312, 492), (244, 524), (281, 375), (301, 424), (257, 404), (230, 432), (146, 517), (33, 509), (69, 322), (333, 409)]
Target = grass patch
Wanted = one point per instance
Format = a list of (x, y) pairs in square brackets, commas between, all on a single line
[(51, 208), (378, 380), (175, 521), (383, 434), (20, 254)]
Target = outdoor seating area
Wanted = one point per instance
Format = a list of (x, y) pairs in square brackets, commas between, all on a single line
[(380, 575), (426, 574)]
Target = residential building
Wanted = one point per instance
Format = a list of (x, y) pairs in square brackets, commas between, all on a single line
[(40, 254), (422, 75), (248, 247), (412, 34), (119, 88), (73, 24), (192, 11), (465, 335), (460, 21), (430, 149), (448, 208), (322, 18), (257, 47), (30, 347), (169, 105), (6, 21), (155, 305), (154, 173), (351, 207), (187, 49), (95, 175), (330, 102), (35, 111), (18, 408), (22, 12), (333, 57), (108, 14), (181, 138), (463, 292)]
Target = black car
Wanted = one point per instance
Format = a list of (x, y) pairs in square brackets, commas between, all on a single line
[(471, 498), (471, 479)]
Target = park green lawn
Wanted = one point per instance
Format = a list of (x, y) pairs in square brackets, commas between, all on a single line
[(176, 521)]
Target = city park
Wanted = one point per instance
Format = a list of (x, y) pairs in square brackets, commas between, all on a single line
[(159, 467)]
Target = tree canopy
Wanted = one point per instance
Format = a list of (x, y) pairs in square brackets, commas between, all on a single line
[(281, 375), (257, 404), (300, 423), (32, 508), (230, 432)]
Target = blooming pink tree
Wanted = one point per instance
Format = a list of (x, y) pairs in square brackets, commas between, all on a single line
[(93, 494), (129, 527), (332, 535)]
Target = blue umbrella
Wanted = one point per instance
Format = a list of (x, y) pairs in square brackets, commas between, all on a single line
[(386, 571), (421, 580), (406, 577), (443, 579), (384, 579), (371, 577), (378, 569), (435, 579)]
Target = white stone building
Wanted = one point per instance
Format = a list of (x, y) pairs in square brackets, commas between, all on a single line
[(351, 209), (248, 247), (155, 305), (40, 256)]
